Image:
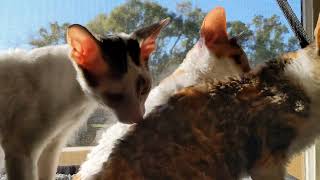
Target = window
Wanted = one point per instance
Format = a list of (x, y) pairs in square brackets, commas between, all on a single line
[(265, 34), (36, 23)]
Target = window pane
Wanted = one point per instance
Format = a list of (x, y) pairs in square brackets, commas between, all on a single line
[(264, 31)]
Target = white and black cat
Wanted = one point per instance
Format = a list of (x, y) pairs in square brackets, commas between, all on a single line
[(46, 93)]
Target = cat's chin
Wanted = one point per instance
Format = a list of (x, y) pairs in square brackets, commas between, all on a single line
[(130, 119)]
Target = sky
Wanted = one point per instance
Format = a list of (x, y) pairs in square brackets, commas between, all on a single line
[(21, 19)]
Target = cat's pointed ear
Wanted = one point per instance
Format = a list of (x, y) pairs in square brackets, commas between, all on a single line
[(147, 37), (317, 35), (85, 50), (214, 27)]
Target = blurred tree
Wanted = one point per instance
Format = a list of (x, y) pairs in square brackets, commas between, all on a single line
[(240, 30), (270, 39), (55, 35), (263, 38)]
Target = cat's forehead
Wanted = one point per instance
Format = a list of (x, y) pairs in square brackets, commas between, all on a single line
[(124, 37), (118, 50), (121, 39)]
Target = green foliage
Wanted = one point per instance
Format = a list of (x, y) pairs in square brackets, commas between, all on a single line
[(263, 38), (55, 35), (241, 31), (268, 40)]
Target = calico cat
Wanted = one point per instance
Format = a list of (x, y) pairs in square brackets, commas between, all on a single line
[(204, 60), (251, 125), (45, 95)]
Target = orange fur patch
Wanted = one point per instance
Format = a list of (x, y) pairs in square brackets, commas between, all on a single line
[(191, 98), (214, 26), (288, 57), (317, 34)]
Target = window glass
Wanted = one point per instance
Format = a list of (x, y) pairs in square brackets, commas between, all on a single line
[(36, 23)]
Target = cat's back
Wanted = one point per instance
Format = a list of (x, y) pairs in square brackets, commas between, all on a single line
[(167, 146), (40, 69), (212, 131), (41, 79), (26, 60)]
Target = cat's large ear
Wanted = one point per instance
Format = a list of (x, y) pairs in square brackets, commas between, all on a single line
[(214, 27), (85, 50), (317, 35), (147, 37)]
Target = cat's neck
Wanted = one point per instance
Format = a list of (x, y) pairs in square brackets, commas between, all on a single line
[(301, 71)]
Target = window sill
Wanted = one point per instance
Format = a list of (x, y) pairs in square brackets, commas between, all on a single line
[(74, 155)]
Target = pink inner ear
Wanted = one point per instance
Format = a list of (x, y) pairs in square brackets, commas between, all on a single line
[(147, 47), (86, 52), (214, 27)]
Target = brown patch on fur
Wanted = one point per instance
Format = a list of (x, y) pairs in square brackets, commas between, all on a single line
[(231, 50), (117, 172), (223, 50), (248, 93), (289, 57), (191, 97), (269, 159)]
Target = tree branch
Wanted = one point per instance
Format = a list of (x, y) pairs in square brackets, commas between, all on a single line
[(175, 43)]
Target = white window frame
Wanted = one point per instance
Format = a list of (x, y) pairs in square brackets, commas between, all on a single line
[(310, 163)]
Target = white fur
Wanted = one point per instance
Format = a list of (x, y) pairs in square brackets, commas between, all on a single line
[(41, 103), (100, 153), (199, 64), (305, 71)]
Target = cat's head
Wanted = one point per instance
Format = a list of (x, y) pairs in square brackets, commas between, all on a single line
[(303, 66), (216, 55), (114, 69)]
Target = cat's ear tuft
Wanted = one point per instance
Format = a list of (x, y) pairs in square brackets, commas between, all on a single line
[(147, 37), (85, 50), (214, 27), (317, 35)]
